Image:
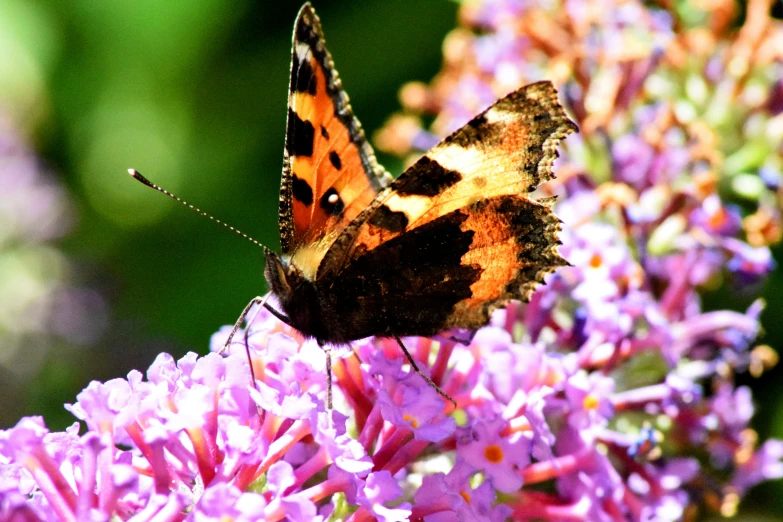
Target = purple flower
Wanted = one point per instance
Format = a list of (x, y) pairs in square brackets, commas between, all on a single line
[(543, 438), (414, 405), (380, 488), (500, 457), (589, 405), (441, 497), (279, 479), (101, 405), (599, 496), (748, 264), (223, 501), (633, 158), (764, 464)]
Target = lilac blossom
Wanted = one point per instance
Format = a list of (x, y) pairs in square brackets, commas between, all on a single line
[(609, 396)]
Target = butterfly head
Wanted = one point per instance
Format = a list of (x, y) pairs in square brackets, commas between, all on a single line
[(281, 276), (295, 293)]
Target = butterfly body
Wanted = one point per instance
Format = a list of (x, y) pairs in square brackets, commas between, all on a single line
[(453, 238)]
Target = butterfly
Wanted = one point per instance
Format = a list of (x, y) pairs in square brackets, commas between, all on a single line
[(453, 238)]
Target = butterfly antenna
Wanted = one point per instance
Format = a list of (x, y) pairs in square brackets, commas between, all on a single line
[(144, 181)]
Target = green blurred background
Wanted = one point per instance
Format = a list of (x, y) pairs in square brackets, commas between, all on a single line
[(192, 93)]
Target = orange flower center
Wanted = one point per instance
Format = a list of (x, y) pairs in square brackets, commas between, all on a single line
[(465, 495), (590, 402), (410, 419), (596, 260), (493, 453)]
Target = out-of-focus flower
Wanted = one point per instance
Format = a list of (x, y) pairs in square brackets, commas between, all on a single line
[(609, 396), (41, 308)]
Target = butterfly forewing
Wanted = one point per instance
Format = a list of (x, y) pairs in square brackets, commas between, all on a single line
[(329, 171)]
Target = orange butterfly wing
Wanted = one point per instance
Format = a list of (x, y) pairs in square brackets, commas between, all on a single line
[(461, 218), (330, 174)]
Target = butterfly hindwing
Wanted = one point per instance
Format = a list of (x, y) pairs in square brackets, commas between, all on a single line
[(329, 171), (450, 272), (455, 236)]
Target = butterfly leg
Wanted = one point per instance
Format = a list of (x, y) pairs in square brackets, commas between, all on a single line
[(257, 300), (328, 351), (426, 378)]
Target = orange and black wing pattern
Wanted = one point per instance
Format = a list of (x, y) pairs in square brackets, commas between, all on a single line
[(330, 174), (456, 235)]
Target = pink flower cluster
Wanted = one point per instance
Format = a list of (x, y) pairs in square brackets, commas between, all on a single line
[(196, 441)]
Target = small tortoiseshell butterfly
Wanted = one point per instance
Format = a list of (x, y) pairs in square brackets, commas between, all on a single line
[(453, 238)]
